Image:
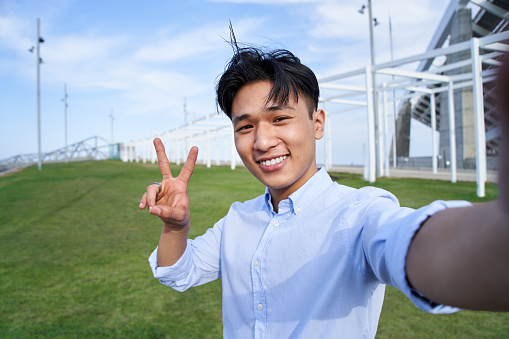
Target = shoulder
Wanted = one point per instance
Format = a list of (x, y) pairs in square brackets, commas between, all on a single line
[(252, 205), (355, 196)]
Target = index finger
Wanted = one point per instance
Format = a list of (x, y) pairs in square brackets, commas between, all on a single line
[(188, 168), (162, 160)]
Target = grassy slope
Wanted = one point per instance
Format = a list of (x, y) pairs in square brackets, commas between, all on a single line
[(74, 248)]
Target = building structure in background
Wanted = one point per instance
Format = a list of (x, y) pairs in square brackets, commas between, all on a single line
[(462, 21), (449, 87)]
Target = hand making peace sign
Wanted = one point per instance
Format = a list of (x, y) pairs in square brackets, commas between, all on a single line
[(170, 201)]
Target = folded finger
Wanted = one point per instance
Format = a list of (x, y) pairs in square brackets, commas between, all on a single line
[(151, 195), (143, 201)]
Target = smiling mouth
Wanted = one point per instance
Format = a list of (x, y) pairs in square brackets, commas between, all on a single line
[(273, 161)]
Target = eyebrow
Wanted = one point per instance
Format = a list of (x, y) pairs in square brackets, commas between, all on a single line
[(270, 109), (280, 108), (240, 118)]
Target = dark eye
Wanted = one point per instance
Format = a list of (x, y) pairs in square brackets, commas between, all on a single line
[(244, 128), (278, 119)]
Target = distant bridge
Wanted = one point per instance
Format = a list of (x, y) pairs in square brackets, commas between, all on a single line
[(93, 148)]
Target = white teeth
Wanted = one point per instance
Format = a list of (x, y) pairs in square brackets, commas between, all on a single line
[(273, 161)]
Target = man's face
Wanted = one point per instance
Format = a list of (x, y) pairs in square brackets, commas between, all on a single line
[(275, 142)]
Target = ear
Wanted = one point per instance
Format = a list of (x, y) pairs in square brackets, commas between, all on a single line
[(319, 122)]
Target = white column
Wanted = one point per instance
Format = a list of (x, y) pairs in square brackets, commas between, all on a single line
[(394, 140), (328, 156), (433, 111), (233, 155), (208, 142), (174, 150), (191, 140), (480, 131), (371, 127), (386, 133), (153, 154), (381, 143), (177, 150), (216, 149), (452, 132)]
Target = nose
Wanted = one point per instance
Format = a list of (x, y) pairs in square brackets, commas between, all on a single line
[(265, 137)]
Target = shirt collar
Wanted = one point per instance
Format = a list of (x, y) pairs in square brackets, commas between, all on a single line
[(305, 194)]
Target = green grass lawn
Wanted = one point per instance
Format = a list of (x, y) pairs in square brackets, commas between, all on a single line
[(74, 249)]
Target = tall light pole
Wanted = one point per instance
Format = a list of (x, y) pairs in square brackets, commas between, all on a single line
[(375, 96), (65, 119), (38, 62), (394, 142)]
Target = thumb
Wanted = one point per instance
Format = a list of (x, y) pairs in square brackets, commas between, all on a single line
[(170, 214)]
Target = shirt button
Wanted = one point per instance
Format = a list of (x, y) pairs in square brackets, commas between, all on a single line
[(297, 210), (276, 223), (256, 263), (260, 307)]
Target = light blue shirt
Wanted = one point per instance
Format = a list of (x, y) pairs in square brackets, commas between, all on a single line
[(316, 269)]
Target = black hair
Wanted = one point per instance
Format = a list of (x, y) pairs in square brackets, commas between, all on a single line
[(283, 69)]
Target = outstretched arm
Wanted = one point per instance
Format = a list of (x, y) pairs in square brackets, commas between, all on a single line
[(171, 204), (460, 256)]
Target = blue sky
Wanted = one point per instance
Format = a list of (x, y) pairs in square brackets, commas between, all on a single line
[(141, 60)]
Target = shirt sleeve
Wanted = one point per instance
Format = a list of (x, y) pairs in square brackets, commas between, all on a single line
[(200, 263), (387, 234)]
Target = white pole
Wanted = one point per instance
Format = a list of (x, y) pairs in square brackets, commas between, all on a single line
[(216, 149), (380, 144), (374, 94), (174, 148), (394, 147), (152, 152), (178, 147), (39, 164), (365, 167), (65, 120), (232, 144), (371, 126), (385, 153), (394, 155), (328, 150), (452, 131), (191, 141), (480, 132), (433, 132)]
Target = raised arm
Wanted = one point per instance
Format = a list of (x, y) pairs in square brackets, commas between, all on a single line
[(460, 256), (170, 202)]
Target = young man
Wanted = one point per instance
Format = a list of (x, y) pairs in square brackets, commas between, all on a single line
[(310, 257)]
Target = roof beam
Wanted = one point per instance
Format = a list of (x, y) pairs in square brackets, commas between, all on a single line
[(491, 8)]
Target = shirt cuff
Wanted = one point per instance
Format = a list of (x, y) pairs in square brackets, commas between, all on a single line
[(399, 245), (170, 275)]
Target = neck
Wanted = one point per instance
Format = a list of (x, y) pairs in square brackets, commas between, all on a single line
[(279, 194)]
